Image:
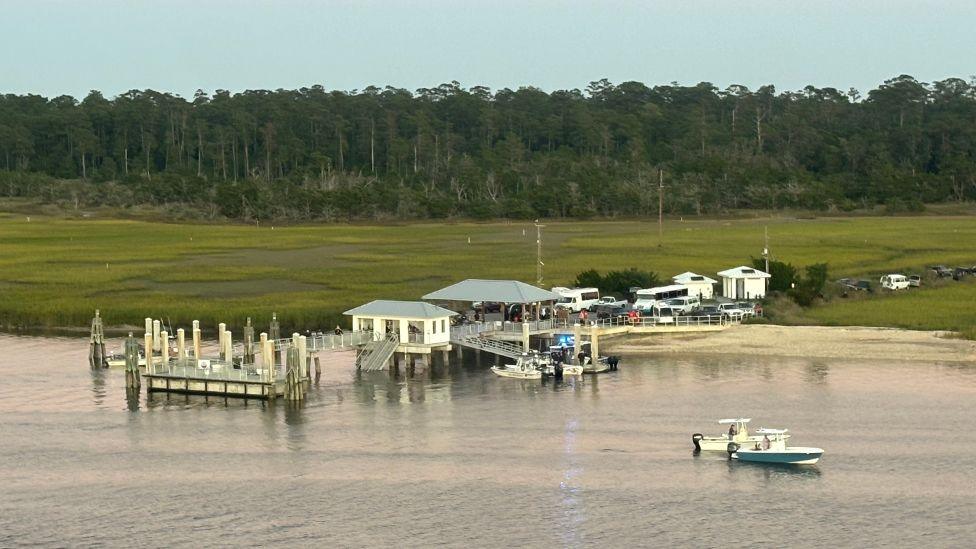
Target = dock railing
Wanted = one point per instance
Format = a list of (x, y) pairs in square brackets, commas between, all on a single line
[(653, 321)]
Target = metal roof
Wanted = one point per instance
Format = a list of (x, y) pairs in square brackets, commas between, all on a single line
[(400, 309), (689, 276), (743, 272), (502, 291)]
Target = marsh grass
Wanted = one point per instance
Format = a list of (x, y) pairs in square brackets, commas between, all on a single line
[(54, 272)]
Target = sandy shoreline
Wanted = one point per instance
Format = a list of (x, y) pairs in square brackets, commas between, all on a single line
[(804, 342)]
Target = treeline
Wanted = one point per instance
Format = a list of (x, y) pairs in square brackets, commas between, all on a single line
[(448, 151)]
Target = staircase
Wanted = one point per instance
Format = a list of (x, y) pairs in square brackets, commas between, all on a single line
[(376, 354), (501, 348)]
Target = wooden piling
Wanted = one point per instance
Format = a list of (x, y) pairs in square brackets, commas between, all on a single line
[(148, 345), (274, 330), (96, 350), (155, 335), (164, 348), (221, 328), (196, 340), (180, 345), (131, 349), (248, 342), (228, 351), (294, 390)]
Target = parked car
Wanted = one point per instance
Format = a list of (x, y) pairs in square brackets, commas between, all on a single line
[(490, 307), (608, 310), (894, 282), (516, 310), (748, 309), (608, 300), (914, 281), (732, 310), (960, 272), (856, 285), (941, 271), (712, 313), (683, 305)]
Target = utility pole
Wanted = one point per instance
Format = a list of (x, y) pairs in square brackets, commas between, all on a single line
[(538, 253), (766, 247), (660, 207)]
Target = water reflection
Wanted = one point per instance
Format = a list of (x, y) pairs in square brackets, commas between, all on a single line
[(773, 471), (816, 372), (98, 385)]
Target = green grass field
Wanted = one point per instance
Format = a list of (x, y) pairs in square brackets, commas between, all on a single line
[(55, 272)]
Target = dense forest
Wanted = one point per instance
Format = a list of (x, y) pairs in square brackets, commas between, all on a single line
[(314, 154)]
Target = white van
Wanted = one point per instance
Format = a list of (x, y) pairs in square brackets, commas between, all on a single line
[(683, 305), (894, 282), (576, 299), (663, 314)]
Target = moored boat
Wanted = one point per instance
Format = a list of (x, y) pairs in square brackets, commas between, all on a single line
[(527, 366), (773, 449), (566, 369)]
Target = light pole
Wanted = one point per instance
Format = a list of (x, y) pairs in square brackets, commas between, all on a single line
[(538, 253)]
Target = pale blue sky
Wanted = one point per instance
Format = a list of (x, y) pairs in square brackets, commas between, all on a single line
[(51, 47)]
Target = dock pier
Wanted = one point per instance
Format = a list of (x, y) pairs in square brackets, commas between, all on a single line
[(276, 368)]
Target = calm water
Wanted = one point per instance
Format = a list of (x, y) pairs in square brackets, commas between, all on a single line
[(462, 458)]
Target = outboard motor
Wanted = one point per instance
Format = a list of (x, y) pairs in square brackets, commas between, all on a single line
[(732, 448), (695, 439)]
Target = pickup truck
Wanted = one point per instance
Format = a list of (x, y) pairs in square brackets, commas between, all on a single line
[(608, 300), (732, 310)]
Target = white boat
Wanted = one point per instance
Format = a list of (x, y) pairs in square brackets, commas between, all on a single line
[(568, 369), (598, 367), (118, 361), (773, 449), (720, 443), (527, 366)]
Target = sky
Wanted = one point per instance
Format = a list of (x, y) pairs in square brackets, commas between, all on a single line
[(55, 47)]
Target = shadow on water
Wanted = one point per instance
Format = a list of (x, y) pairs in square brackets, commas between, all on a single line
[(773, 471), (816, 372)]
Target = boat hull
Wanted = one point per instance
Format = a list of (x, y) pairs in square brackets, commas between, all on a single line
[(598, 368), (793, 456), (516, 374)]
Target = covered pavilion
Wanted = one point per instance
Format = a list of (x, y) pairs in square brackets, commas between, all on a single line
[(505, 292)]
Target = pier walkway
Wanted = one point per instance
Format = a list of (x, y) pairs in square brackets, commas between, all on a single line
[(511, 339)]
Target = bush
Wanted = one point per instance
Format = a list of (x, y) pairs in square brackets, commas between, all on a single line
[(618, 283)]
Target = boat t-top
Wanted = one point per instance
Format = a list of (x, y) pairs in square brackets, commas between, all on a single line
[(720, 443), (772, 449)]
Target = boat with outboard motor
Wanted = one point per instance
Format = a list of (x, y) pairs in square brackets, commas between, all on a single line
[(720, 443), (527, 366), (773, 449)]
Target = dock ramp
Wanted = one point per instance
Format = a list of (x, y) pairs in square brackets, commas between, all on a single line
[(376, 354), (501, 348)]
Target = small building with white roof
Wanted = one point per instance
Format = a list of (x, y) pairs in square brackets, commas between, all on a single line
[(698, 285), (744, 283), (417, 323)]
